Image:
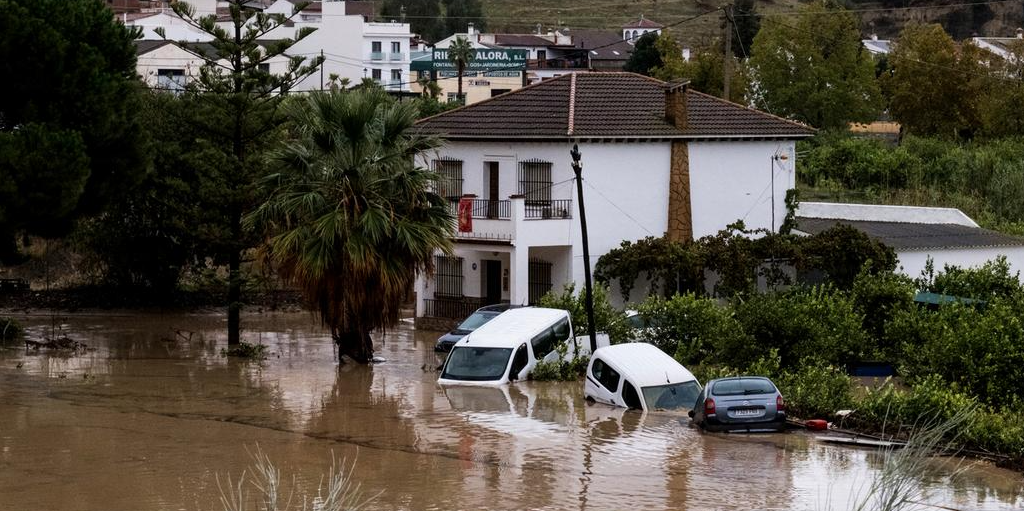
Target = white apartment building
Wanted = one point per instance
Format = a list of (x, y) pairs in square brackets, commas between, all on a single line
[(353, 48)]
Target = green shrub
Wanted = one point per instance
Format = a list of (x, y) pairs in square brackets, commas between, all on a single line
[(606, 318), (860, 163), (990, 280), (560, 370), (686, 326), (814, 323), (246, 350), (10, 329), (878, 298), (980, 349), (930, 400), (815, 391)]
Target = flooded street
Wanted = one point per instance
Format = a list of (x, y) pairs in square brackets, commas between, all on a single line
[(152, 414)]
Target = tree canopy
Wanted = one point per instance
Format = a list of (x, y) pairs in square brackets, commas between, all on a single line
[(70, 140), (814, 69), (352, 217), (934, 86), (705, 70), (645, 56), (434, 20)]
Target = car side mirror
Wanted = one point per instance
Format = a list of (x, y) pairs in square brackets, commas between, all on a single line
[(690, 413)]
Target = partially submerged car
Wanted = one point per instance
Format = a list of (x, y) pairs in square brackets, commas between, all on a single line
[(742, 403), (472, 322), (508, 347), (639, 376)]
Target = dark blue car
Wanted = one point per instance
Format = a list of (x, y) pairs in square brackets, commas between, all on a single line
[(474, 321)]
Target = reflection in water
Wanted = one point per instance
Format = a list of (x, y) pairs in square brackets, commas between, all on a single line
[(147, 416)]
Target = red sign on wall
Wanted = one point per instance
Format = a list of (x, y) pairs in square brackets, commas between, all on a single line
[(466, 215)]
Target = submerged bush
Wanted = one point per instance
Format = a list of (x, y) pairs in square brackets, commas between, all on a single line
[(606, 318), (981, 349), (10, 329), (815, 324), (246, 350), (688, 327), (560, 370)]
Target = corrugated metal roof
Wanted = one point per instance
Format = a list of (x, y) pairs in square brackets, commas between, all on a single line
[(908, 236)]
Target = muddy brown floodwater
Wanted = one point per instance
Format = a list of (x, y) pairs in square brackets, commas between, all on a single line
[(152, 414)]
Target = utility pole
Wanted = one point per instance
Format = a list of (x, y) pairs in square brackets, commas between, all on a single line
[(589, 298), (322, 70), (727, 63)]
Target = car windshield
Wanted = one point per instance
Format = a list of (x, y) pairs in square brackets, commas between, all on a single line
[(743, 387), (476, 364), (674, 395), (475, 320)]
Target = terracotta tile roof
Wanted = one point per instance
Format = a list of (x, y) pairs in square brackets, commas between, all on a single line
[(604, 105), (909, 236), (643, 23), (362, 8)]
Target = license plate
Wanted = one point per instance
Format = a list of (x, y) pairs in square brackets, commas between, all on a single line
[(747, 412)]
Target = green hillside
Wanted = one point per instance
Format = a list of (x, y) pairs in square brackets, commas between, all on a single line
[(883, 17)]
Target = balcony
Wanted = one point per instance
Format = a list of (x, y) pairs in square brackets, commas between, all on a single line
[(549, 209), (556, 63), (376, 55), (502, 221), (396, 56)]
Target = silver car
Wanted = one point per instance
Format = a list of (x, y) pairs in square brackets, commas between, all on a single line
[(744, 403)]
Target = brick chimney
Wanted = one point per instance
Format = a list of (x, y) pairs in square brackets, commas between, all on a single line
[(680, 216), (675, 103)]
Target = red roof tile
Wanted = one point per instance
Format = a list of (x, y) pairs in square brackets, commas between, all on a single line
[(605, 105), (643, 23)]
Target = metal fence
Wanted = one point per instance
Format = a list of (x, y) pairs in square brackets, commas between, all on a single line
[(453, 309), (559, 208), (539, 279), (488, 209)]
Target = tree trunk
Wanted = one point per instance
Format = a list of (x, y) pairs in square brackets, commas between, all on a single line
[(357, 345), (235, 286), (461, 69)]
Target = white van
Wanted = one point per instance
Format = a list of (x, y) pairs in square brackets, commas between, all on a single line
[(507, 347), (640, 376)]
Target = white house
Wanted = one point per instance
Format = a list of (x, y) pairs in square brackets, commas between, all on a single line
[(657, 158), (171, 65), (352, 46), (945, 235), (1001, 46)]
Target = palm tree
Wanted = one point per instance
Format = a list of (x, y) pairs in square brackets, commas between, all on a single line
[(461, 53), (351, 217)]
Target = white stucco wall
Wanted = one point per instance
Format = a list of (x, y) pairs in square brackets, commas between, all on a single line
[(731, 181), (626, 194), (912, 262)]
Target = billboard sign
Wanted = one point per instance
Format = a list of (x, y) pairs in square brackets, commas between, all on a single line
[(486, 60)]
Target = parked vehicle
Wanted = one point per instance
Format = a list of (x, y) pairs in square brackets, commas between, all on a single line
[(508, 347), (745, 403), (472, 322), (640, 376)]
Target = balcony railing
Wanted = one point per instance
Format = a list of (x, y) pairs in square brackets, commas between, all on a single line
[(396, 56), (376, 55), (550, 209), (555, 64), (488, 209)]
